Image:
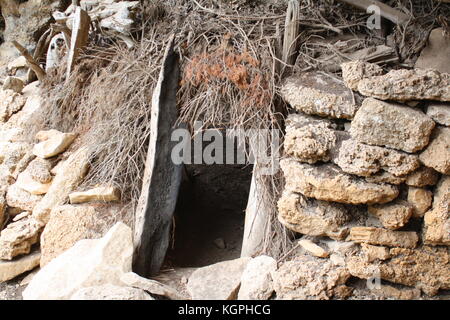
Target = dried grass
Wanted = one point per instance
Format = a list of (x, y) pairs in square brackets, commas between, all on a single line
[(229, 77), (107, 101), (227, 89), (412, 37)]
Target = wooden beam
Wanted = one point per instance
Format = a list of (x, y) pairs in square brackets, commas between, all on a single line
[(386, 11), (40, 73), (79, 38), (162, 178), (257, 216), (38, 53), (291, 32)]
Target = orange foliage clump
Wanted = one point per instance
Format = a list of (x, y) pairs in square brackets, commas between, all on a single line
[(226, 66)]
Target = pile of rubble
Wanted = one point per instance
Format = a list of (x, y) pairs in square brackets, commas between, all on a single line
[(36, 181), (369, 168), (39, 178)]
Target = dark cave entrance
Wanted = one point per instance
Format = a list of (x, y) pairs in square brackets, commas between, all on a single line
[(210, 215)]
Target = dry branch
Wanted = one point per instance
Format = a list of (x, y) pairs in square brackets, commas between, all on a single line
[(40, 73), (39, 51), (386, 11), (291, 32)]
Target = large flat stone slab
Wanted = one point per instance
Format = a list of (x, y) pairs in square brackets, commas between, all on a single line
[(321, 95), (440, 113), (219, 281), (437, 220), (392, 125), (436, 52), (88, 263), (437, 153), (313, 217), (425, 268), (11, 269), (18, 237), (162, 177), (383, 237), (329, 183), (407, 85)]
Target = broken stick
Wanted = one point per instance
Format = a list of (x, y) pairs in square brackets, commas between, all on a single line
[(40, 73), (38, 52), (386, 11)]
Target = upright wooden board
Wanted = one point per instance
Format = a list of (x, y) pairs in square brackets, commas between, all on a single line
[(257, 217), (162, 177), (79, 38)]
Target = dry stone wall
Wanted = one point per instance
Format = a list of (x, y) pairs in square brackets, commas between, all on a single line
[(377, 183)]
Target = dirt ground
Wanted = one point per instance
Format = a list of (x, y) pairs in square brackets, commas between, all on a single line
[(12, 290)]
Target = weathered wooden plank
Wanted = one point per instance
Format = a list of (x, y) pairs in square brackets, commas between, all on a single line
[(386, 11), (291, 32), (33, 64), (79, 38), (257, 217), (162, 177)]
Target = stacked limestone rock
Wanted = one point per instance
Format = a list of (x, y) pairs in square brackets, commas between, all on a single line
[(36, 180), (39, 178), (369, 167)]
